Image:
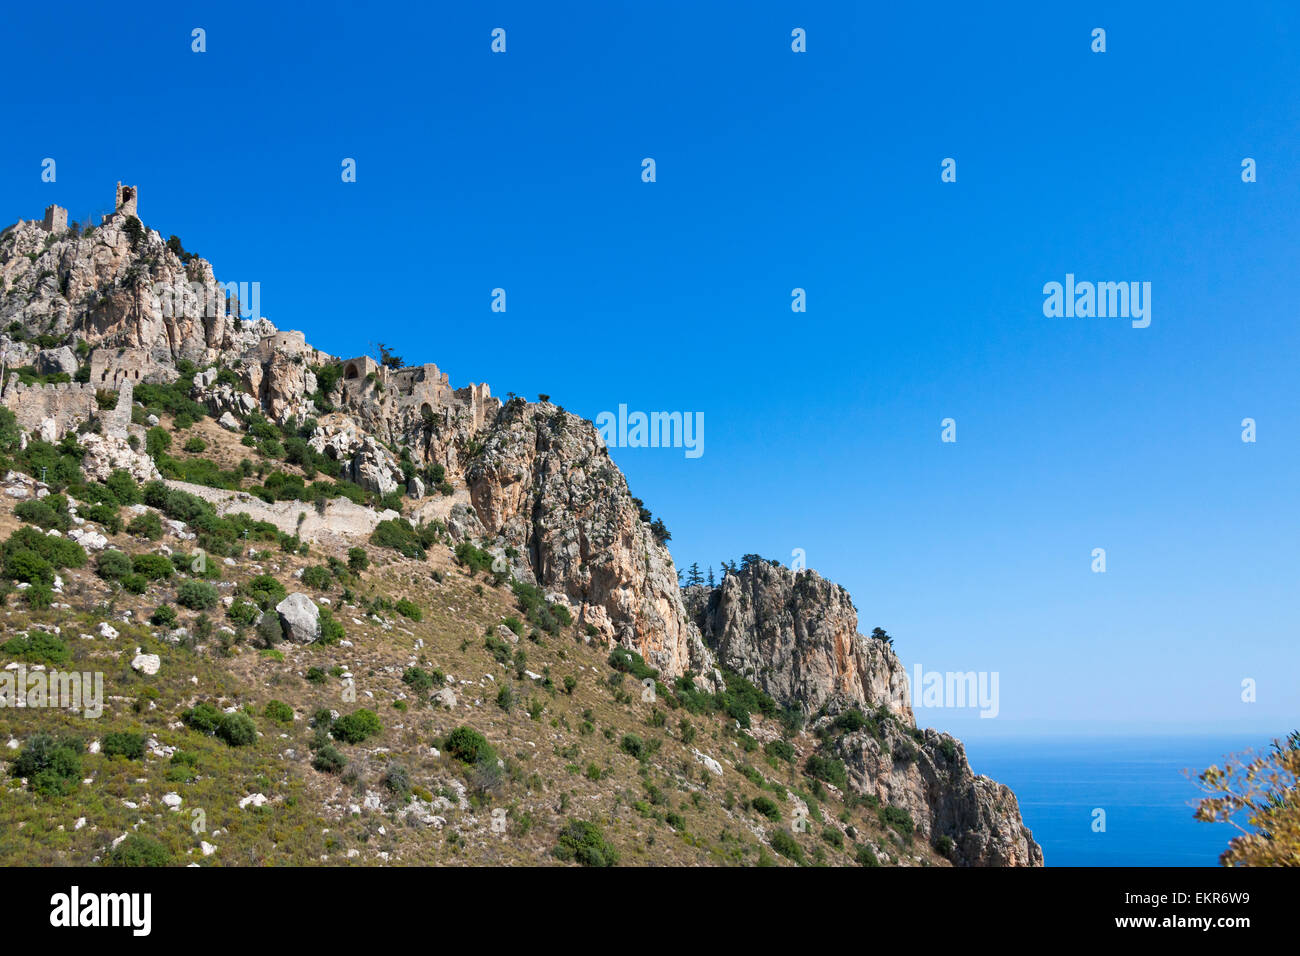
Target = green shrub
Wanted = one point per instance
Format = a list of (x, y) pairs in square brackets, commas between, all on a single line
[(328, 759), (195, 445), (780, 749), (582, 841), (784, 843), (163, 616), (197, 595), (113, 565), (630, 662), (124, 487), (409, 609), (137, 850), (897, 818), (469, 746), (155, 567), (279, 711), (39, 512), (357, 559), (124, 744), (203, 717), (766, 807), (265, 591), (242, 612), (633, 746), (237, 729), (418, 680), (866, 856), (318, 577), (135, 583), (828, 769), (38, 647), (397, 534), (146, 525), (355, 727), (52, 766), (157, 441)]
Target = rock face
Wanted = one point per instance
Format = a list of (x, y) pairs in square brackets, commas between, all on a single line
[(795, 635), (104, 454), (300, 618), (545, 486)]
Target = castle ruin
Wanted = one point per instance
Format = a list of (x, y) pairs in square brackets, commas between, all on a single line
[(49, 412), (419, 389), (111, 367), (56, 219)]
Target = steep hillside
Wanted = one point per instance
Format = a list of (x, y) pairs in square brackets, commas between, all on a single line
[(344, 611)]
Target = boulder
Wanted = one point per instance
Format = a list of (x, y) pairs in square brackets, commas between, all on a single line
[(52, 361), (300, 618)]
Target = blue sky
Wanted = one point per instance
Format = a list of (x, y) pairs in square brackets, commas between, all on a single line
[(775, 171)]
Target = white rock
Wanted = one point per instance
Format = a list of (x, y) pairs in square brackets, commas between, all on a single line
[(256, 799), (147, 663)]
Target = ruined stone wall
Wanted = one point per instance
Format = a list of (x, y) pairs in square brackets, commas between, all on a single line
[(51, 411), (110, 368)]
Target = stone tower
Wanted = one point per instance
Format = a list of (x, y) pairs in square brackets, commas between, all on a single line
[(126, 200), (56, 219)]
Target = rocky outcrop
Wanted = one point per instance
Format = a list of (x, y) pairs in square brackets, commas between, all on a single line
[(545, 486), (795, 635), (104, 454)]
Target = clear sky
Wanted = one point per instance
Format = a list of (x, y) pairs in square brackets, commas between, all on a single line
[(778, 170)]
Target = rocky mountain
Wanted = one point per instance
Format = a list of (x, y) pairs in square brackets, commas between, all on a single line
[(795, 635), (111, 334)]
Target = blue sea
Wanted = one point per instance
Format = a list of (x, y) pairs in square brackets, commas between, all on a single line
[(1138, 781)]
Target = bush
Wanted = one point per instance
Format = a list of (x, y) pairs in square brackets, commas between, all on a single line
[(357, 559), (279, 711), (155, 567), (943, 846), (828, 769), (39, 512), (163, 616), (897, 818), (582, 841), (30, 567), (633, 746), (400, 536), (409, 609), (766, 807), (317, 576), (157, 441), (52, 767), (112, 565), (124, 488), (197, 595), (780, 749), (243, 612), (124, 744), (355, 727), (784, 843), (135, 583), (418, 680), (138, 850), (195, 445), (237, 729), (38, 648), (331, 630), (469, 746), (397, 779), (328, 759), (265, 591), (866, 856), (146, 525), (630, 662)]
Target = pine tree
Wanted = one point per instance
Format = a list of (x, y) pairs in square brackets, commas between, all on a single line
[(693, 576), (712, 583)]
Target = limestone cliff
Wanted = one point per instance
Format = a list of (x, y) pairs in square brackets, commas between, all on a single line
[(795, 635), (544, 486)]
